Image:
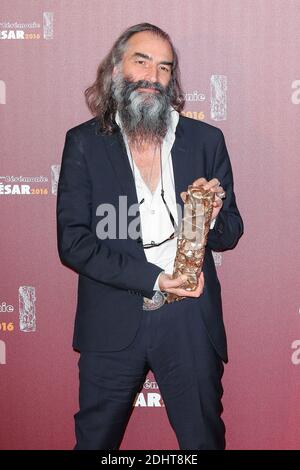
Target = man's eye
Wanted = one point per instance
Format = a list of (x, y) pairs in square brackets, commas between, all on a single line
[(164, 68), (142, 62)]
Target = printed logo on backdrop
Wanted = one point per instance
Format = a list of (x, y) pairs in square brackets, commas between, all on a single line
[(218, 97), (6, 324), (295, 97), (6, 308), (27, 316), (2, 92), (218, 100), (27, 312), (10, 185), (41, 29), (55, 170), (194, 96), (295, 357), (18, 185), (2, 352), (149, 398)]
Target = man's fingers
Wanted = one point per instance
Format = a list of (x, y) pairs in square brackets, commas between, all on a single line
[(183, 195), (218, 203), (169, 284), (179, 281), (200, 182), (213, 185), (210, 184), (185, 293)]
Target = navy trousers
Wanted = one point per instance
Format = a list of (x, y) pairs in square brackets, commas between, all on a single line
[(186, 367)]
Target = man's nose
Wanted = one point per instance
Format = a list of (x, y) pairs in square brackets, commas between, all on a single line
[(152, 74)]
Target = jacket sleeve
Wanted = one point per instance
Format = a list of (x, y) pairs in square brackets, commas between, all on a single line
[(229, 225), (78, 247)]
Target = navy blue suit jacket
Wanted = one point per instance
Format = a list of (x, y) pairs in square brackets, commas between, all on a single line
[(114, 274)]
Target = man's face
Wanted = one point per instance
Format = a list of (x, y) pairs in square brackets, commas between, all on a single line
[(142, 88), (147, 57)]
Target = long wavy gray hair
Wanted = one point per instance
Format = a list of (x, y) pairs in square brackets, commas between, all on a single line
[(99, 96)]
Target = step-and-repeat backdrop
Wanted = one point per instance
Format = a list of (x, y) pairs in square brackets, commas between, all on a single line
[(240, 72)]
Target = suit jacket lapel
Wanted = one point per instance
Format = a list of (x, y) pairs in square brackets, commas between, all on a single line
[(119, 160), (182, 165)]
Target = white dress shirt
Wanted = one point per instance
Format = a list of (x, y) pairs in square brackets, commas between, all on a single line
[(155, 221)]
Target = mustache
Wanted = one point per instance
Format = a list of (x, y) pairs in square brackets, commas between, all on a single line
[(131, 86)]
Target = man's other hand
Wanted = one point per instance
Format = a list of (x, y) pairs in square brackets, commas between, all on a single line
[(214, 186), (167, 284)]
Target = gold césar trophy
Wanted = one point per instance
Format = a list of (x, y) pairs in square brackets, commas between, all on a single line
[(192, 238)]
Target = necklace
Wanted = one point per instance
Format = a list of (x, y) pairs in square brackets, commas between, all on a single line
[(150, 177)]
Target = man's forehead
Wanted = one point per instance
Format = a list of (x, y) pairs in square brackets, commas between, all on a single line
[(150, 44)]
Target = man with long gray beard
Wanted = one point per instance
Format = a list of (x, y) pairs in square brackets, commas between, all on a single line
[(120, 196)]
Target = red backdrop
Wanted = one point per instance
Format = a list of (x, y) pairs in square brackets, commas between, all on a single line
[(49, 54)]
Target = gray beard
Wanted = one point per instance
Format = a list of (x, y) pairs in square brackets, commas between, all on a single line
[(145, 117)]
